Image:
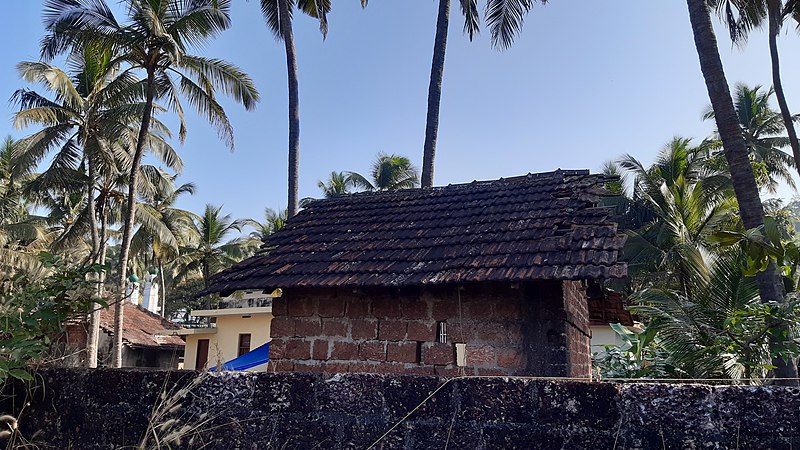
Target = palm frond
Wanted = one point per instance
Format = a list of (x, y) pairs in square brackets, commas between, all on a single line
[(224, 76), (469, 9), (204, 103), (505, 18)]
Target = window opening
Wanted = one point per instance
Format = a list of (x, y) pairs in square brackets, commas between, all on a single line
[(244, 344), (441, 332)]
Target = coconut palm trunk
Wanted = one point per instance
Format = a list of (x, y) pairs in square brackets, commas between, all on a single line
[(744, 183), (294, 106), (163, 288), (94, 330), (775, 22), (92, 211), (129, 218), (103, 242), (94, 316), (435, 93)]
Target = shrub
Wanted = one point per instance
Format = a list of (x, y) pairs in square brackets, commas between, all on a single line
[(32, 316)]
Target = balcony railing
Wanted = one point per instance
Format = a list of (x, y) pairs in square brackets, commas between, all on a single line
[(199, 322), (245, 303)]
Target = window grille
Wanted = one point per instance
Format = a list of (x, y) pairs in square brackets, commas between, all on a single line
[(441, 331)]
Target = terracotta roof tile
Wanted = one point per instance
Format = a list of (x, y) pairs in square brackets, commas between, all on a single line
[(539, 226), (140, 326)]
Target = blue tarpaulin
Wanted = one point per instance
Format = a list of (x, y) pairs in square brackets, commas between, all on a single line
[(250, 359)]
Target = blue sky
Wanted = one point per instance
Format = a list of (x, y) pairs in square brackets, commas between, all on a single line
[(584, 83)]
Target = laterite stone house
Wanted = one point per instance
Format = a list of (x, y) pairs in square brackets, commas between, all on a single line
[(483, 278)]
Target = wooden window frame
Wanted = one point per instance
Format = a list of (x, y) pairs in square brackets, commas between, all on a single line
[(241, 349)]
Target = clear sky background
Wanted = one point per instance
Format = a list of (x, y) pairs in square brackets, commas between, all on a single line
[(585, 82)]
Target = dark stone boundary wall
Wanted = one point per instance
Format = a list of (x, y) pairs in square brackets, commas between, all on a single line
[(84, 409)]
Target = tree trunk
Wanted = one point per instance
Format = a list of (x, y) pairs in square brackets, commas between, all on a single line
[(435, 94), (103, 238), (735, 150), (127, 231), (93, 337), (163, 288), (294, 107), (775, 22), (92, 213), (93, 340), (206, 274)]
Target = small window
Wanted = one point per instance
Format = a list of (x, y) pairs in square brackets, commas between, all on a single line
[(244, 344), (441, 331)]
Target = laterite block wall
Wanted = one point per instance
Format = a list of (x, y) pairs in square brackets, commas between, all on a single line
[(110, 409), (537, 329)]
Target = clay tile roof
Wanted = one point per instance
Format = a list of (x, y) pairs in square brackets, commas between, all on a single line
[(140, 326), (538, 226)]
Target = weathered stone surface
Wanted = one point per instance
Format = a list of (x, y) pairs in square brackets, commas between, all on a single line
[(354, 395), (101, 409), (581, 404), (402, 394), (496, 400)]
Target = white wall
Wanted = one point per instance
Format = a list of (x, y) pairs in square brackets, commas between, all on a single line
[(603, 335)]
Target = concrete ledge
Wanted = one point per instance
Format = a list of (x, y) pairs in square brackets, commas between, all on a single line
[(78, 408)]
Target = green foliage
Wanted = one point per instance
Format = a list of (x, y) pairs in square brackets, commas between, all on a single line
[(338, 183), (703, 339), (32, 317), (182, 299), (388, 173), (639, 356), (761, 246), (692, 265), (681, 200), (719, 327), (273, 221), (785, 216), (763, 131), (211, 251)]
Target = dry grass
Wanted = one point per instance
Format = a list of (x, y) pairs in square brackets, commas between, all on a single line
[(170, 424)]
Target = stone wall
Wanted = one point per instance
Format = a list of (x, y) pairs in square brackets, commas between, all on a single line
[(102, 409), (508, 330)]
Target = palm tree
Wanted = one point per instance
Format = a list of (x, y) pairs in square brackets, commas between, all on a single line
[(92, 123), (210, 252), (155, 42), (713, 333), (15, 173), (163, 229), (744, 182), (629, 213), (504, 19), (278, 15), (82, 116), (763, 130), (687, 201), (338, 183), (388, 173), (751, 14), (22, 235), (273, 221)]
